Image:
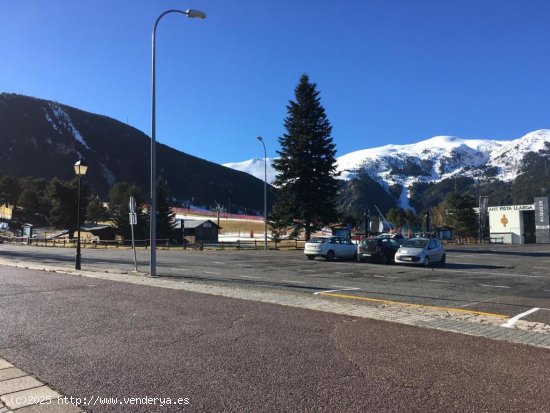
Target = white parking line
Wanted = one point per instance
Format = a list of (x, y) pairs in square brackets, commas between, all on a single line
[(212, 272), (333, 291), (494, 273), (510, 323), (293, 282), (479, 302), (494, 286), (249, 276), (378, 276)]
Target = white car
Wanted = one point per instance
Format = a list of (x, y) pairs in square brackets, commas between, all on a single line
[(423, 251), (330, 248)]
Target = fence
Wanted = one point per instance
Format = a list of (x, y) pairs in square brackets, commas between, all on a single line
[(253, 244)]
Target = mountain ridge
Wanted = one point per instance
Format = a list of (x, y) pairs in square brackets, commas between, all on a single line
[(42, 138), (434, 160)]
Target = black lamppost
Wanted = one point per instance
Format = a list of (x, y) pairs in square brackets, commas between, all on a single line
[(80, 169), (153, 212), (366, 217), (265, 191)]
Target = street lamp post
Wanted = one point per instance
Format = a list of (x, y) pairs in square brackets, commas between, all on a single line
[(265, 191), (80, 168), (153, 212)]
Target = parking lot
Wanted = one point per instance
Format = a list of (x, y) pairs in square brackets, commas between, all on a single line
[(496, 279)]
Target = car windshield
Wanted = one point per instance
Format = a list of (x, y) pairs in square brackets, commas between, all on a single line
[(416, 243), (317, 240)]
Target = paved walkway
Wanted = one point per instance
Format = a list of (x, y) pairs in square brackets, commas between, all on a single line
[(21, 393)]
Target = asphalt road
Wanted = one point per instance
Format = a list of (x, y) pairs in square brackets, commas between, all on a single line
[(500, 279), (92, 338)]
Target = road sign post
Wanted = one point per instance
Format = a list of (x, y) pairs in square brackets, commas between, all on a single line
[(133, 221)]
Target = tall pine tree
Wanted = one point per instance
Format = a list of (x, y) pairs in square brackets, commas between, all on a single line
[(306, 165)]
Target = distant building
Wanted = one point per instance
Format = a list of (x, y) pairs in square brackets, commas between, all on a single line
[(196, 230), (520, 224)]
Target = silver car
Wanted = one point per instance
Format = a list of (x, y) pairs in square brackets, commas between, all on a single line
[(423, 251), (330, 248)]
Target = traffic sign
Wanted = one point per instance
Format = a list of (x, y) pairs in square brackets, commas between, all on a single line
[(133, 218), (132, 205)]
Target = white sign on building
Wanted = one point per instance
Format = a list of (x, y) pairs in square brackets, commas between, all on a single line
[(507, 223)]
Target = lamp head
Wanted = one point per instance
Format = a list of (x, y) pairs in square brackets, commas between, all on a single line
[(195, 14), (80, 167), (259, 138)]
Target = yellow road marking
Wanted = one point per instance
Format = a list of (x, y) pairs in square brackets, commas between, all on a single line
[(378, 300)]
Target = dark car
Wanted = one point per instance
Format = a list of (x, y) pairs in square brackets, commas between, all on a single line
[(377, 249)]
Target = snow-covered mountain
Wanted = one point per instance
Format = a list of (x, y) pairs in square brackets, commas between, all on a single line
[(431, 161)]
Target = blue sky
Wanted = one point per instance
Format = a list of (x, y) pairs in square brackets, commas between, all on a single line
[(389, 71)]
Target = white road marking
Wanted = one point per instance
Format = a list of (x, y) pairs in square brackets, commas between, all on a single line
[(494, 273), (218, 262), (494, 286), (212, 272), (345, 287), (378, 276), (293, 282), (512, 321), (478, 302), (249, 276), (333, 291), (438, 281)]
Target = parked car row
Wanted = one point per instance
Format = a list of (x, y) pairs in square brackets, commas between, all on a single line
[(383, 249)]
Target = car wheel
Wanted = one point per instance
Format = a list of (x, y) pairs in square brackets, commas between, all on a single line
[(426, 262), (330, 255), (385, 259), (311, 257), (443, 259)]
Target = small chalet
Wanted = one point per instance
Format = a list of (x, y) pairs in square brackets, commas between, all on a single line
[(196, 230)]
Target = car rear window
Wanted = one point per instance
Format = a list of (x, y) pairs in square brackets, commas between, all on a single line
[(415, 243), (370, 242), (317, 240)]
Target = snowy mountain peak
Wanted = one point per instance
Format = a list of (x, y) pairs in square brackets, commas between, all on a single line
[(430, 160)]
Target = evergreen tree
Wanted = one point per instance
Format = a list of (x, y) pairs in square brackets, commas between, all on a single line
[(10, 189), (64, 199), (306, 165), (460, 214), (96, 211), (119, 199), (165, 216)]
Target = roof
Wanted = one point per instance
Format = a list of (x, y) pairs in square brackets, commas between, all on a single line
[(193, 223)]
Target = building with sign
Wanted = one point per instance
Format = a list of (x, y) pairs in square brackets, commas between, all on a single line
[(520, 224)]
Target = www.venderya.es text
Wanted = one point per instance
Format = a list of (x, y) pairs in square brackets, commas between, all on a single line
[(98, 401)]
